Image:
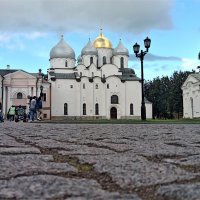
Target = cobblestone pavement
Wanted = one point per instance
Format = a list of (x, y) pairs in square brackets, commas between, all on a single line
[(99, 161)]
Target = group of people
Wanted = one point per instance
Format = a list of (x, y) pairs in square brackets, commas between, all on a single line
[(19, 113), (35, 108)]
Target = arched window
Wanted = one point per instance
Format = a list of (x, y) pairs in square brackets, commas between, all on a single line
[(131, 109), (19, 95), (83, 85), (97, 86), (111, 60), (96, 109), (107, 86), (65, 109), (91, 60), (66, 64), (122, 62), (114, 99), (104, 60), (84, 109)]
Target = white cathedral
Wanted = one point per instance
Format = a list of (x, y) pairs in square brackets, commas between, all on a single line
[(99, 86)]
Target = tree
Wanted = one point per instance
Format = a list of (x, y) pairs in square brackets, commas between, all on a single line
[(166, 95)]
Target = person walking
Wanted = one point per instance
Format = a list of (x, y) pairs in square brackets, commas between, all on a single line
[(39, 108), (11, 113), (32, 109)]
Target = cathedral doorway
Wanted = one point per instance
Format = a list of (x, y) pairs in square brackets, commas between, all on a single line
[(113, 113)]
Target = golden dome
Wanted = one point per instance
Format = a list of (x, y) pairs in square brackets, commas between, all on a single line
[(102, 42)]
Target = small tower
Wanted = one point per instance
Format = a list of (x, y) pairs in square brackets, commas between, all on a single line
[(121, 55), (62, 55)]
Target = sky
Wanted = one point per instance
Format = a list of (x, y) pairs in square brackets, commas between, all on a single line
[(30, 28)]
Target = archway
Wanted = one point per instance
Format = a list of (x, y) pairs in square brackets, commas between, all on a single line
[(113, 113)]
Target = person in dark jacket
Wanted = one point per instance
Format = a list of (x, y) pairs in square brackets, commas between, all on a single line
[(39, 108)]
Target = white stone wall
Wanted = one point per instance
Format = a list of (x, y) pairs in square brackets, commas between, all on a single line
[(116, 61), (191, 98), (104, 52), (86, 60), (60, 63), (149, 108)]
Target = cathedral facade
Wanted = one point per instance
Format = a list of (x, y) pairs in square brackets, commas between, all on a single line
[(100, 86), (96, 85)]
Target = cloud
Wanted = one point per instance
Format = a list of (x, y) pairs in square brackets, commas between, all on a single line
[(134, 16), (152, 57), (189, 64)]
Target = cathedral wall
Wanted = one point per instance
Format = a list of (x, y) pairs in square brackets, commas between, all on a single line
[(86, 60), (61, 63), (110, 70), (133, 95), (64, 91), (116, 61), (191, 99), (104, 52)]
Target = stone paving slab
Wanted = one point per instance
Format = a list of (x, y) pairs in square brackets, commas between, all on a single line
[(53, 187), (181, 192), (15, 165), (99, 161), (136, 171)]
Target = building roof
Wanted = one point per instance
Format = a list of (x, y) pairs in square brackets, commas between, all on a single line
[(102, 42), (62, 50), (89, 49), (4, 72), (196, 75), (65, 76), (120, 50)]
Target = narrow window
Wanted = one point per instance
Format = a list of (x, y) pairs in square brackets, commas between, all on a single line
[(66, 64), (71, 86), (80, 74), (114, 99), (110, 60), (65, 109), (104, 60), (83, 85), (122, 62), (84, 109), (91, 60), (131, 109), (97, 87), (19, 95), (107, 86), (44, 96), (96, 109)]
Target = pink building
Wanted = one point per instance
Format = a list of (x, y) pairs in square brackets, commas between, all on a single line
[(16, 86)]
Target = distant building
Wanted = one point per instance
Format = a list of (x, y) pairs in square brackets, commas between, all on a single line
[(191, 96), (99, 86)]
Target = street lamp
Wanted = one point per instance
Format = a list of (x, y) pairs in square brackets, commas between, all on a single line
[(136, 49), (41, 91)]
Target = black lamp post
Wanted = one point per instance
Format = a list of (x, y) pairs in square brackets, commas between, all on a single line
[(136, 49), (41, 91)]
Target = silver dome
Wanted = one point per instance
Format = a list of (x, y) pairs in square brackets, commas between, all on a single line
[(120, 50), (89, 49), (62, 50)]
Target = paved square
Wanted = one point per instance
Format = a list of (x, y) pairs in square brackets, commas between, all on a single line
[(99, 161)]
